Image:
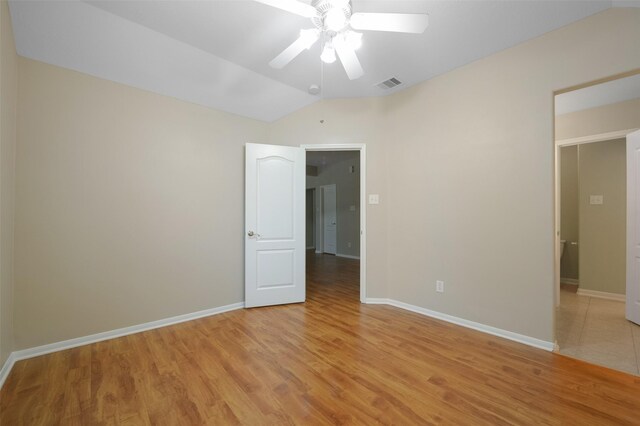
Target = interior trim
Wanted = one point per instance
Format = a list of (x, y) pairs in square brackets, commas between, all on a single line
[(99, 337), (618, 134), (6, 368), (602, 295), (520, 338)]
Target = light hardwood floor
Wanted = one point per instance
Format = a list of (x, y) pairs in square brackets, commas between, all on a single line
[(328, 361)]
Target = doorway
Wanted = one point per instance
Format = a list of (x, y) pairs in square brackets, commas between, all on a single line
[(336, 180), (591, 277), (275, 235)]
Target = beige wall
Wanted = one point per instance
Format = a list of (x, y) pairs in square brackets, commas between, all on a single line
[(595, 121), (347, 195), (129, 206), (472, 175), (569, 211), (602, 168), (8, 106)]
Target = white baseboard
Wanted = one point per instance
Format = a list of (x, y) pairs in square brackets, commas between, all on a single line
[(570, 281), (99, 337), (311, 248), (6, 368), (377, 301), (602, 295), (520, 338), (348, 256), (318, 252)]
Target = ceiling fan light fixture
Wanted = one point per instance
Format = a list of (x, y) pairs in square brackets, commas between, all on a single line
[(308, 37), (353, 39), (328, 55), (335, 19), (334, 23)]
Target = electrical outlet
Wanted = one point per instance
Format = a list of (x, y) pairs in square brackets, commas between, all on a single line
[(440, 286), (349, 245)]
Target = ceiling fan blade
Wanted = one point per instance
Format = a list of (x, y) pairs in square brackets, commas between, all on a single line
[(348, 58), (292, 6), (395, 22), (305, 41)]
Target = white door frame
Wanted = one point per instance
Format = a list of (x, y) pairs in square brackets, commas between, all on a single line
[(363, 205), (313, 217), (559, 143), (322, 215), (632, 293), (318, 218)]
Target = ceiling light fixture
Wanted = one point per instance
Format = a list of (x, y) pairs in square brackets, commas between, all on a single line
[(335, 21), (328, 55)]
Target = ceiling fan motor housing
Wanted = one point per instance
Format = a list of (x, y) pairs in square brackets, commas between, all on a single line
[(324, 7)]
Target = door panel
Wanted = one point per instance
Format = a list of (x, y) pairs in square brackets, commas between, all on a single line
[(274, 225), (275, 197), (276, 268)]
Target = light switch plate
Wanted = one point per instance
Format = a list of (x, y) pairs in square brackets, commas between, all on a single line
[(374, 199), (596, 199)]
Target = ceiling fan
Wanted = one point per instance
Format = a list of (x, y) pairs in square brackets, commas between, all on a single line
[(334, 24)]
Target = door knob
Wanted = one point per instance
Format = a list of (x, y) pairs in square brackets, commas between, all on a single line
[(253, 234)]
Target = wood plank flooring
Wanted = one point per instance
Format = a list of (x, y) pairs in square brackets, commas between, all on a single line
[(328, 361)]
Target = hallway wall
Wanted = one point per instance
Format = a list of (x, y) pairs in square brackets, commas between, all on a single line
[(603, 171)]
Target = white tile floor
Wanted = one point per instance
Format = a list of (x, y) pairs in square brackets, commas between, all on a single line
[(595, 330)]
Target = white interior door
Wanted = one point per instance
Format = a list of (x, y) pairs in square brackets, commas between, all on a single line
[(329, 219), (556, 264), (633, 227), (274, 225)]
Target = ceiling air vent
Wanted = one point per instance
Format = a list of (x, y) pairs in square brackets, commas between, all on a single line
[(389, 84)]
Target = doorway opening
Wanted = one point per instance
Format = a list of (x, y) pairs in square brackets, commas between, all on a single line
[(335, 220), (594, 126)]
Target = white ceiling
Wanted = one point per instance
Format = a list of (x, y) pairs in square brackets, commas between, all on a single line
[(612, 92), (216, 53)]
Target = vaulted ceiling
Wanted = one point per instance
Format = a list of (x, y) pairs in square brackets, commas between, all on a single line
[(216, 53)]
